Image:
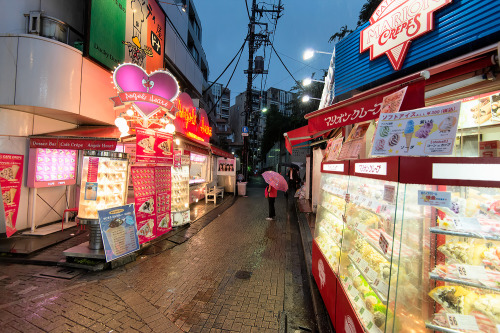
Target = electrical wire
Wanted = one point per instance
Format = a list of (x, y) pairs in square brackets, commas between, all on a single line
[(241, 49), (230, 78), (297, 82), (248, 12)]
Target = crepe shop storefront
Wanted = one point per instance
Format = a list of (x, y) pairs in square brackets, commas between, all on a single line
[(420, 79)]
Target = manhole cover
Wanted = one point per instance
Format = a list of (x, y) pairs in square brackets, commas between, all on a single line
[(244, 275), (60, 273)]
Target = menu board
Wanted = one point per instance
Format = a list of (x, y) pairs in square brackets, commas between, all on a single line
[(145, 149), (143, 179), (52, 167), (119, 231), (481, 110), (164, 148), (11, 175), (421, 132), (353, 147), (163, 199)]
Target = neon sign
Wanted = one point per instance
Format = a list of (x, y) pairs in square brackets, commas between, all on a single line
[(394, 24), (191, 121), (148, 94)]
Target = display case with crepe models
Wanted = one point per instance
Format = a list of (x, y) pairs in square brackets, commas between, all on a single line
[(328, 230), (449, 209), (180, 194), (103, 182)]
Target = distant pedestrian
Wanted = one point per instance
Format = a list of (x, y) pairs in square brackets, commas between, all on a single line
[(293, 180), (271, 194)]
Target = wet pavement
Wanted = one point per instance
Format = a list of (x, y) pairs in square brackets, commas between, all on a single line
[(236, 272)]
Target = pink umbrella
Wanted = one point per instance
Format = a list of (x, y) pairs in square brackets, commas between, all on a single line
[(275, 180)]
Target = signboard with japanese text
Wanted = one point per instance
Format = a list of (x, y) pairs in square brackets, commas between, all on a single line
[(143, 179), (333, 149), (421, 132), (11, 176), (118, 230)]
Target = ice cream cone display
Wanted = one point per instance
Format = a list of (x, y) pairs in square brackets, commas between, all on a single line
[(408, 132)]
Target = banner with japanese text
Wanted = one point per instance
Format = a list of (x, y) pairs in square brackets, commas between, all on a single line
[(143, 179), (11, 176), (421, 132)]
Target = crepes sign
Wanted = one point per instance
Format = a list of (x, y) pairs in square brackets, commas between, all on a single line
[(394, 24)]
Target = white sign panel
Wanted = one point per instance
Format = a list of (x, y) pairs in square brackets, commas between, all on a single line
[(371, 168), (333, 167)]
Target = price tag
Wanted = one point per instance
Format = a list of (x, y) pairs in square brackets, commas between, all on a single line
[(384, 244), (347, 197), (353, 291), (389, 193), (355, 255), (370, 274), (359, 301), (365, 315), (466, 223), (381, 286), (462, 322), (362, 264), (472, 272)]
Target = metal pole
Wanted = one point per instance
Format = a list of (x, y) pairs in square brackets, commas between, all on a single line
[(248, 102)]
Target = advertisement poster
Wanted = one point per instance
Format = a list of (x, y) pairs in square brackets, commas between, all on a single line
[(118, 231), (143, 179), (11, 176), (163, 199), (333, 149), (481, 110), (421, 132), (164, 148), (177, 159), (51, 167), (91, 191), (145, 149), (356, 140), (226, 166)]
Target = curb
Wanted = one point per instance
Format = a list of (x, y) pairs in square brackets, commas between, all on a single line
[(323, 321)]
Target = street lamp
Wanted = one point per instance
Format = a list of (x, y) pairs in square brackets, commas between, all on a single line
[(307, 81), (264, 110), (307, 98), (309, 53)]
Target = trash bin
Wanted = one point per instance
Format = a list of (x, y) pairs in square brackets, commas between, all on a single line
[(242, 188)]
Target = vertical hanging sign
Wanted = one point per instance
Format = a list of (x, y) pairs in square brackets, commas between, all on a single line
[(11, 175)]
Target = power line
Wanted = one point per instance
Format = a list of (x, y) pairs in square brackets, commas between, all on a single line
[(241, 49), (297, 82)]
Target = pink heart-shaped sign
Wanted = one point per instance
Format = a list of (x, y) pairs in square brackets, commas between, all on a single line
[(132, 78)]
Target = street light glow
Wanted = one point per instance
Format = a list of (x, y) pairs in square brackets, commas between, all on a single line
[(264, 110), (306, 98), (308, 54), (307, 81)]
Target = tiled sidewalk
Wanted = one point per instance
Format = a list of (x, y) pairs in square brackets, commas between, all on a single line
[(230, 276)]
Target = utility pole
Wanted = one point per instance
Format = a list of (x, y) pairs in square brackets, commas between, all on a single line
[(255, 40)]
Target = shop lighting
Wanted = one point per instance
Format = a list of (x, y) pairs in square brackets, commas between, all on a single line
[(130, 112), (177, 141), (124, 128), (170, 128), (186, 205), (309, 53), (307, 98), (120, 121), (264, 110)]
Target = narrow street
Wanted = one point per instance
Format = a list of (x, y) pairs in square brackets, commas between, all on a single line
[(240, 273)]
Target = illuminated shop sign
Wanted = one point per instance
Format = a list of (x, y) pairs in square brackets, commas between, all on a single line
[(148, 94), (394, 24), (191, 121)]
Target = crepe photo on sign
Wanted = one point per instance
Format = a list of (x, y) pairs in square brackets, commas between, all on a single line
[(165, 147), (147, 229), (148, 206), (164, 221), (391, 103), (147, 144), (8, 196), (10, 172)]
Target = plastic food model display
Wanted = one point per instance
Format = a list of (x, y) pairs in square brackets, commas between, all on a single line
[(329, 224), (199, 168), (106, 184), (368, 261), (180, 195), (457, 274)]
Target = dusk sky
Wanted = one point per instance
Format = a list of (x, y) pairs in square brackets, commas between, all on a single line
[(304, 24)]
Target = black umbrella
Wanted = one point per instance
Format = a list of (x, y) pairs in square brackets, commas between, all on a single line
[(290, 164)]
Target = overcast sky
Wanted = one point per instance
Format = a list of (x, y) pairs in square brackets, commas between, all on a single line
[(304, 24)]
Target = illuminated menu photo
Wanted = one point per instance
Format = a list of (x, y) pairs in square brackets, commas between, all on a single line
[(52, 167)]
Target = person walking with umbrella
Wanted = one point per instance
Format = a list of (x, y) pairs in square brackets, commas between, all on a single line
[(276, 183)]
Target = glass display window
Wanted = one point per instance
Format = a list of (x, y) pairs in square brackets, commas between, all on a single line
[(453, 225), (104, 182), (199, 171)]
